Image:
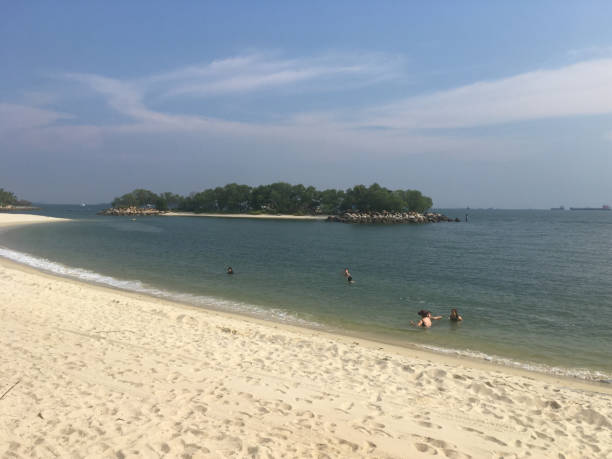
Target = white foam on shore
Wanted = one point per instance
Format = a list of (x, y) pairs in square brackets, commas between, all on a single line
[(220, 304), (579, 373)]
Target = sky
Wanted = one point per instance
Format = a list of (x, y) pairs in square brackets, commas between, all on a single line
[(479, 104)]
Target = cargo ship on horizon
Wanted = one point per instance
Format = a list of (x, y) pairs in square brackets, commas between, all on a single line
[(604, 207)]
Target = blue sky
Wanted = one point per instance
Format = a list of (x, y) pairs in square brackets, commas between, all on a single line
[(486, 104)]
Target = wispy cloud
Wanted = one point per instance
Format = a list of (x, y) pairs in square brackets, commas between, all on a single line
[(408, 126), (235, 75), (580, 89), (263, 71)]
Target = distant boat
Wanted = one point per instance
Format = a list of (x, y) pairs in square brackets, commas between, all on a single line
[(83, 204), (558, 208), (604, 207)]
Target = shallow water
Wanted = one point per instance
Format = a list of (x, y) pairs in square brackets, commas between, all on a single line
[(533, 286)]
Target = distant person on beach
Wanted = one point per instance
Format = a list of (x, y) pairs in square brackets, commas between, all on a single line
[(454, 316), (348, 276), (426, 319), (230, 270)]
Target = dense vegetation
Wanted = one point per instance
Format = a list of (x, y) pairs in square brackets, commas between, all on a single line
[(142, 198), (281, 198), (8, 198)]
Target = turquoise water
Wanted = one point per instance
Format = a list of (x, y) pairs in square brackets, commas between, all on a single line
[(534, 287)]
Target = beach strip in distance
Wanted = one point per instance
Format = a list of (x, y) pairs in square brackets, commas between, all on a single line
[(11, 219), (253, 216), (91, 371)]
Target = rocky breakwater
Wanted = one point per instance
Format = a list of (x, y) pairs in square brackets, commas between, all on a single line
[(131, 211), (385, 217)]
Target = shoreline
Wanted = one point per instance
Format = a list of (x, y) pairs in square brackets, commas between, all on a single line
[(12, 219), (448, 355), (256, 216), (159, 376), (368, 339)]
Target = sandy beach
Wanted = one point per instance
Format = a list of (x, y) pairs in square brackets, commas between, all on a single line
[(255, 216), (88, 371), (10, 219)]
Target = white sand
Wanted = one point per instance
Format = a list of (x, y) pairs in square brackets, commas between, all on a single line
[(95, 372), (258, 216), (10, 219)]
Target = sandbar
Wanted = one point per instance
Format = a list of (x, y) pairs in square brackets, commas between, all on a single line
[(10, 219), (254, 216)]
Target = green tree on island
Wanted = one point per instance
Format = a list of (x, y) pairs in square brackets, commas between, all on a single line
[(8, 198), (137, 198), (281, 198)]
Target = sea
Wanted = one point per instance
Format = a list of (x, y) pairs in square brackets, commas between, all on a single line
[(534, 287)]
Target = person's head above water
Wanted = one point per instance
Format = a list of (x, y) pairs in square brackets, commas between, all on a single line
[(230, 270), (424, 313), (454, 316)]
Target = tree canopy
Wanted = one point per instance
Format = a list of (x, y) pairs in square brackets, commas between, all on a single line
[(281, 198), (8, 198)]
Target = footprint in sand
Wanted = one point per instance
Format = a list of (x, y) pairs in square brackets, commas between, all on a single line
[(429, 425), (495, 440), (425, 448), (469, 429), (361, 429), (452, 454), (382, 432)]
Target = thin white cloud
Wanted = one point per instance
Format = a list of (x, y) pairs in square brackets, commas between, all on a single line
[(122, 96), (386, 130), (261, 72), (235, 75), (580, 89)]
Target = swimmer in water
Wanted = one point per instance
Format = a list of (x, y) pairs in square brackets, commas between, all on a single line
[(348, 276), (230, 270), (426, 319), (454, 316)]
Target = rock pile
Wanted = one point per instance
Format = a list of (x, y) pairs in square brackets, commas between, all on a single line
[(130, 211), (390, 217)]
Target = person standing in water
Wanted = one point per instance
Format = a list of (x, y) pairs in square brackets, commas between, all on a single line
[(348, 276)]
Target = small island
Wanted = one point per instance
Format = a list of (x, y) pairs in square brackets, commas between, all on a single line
[(10, 203), (359, 204)]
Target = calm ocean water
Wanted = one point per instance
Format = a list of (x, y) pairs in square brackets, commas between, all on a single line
[(534, 287)]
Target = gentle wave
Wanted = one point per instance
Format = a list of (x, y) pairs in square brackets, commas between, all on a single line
[(579, 373), (253, 310)]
